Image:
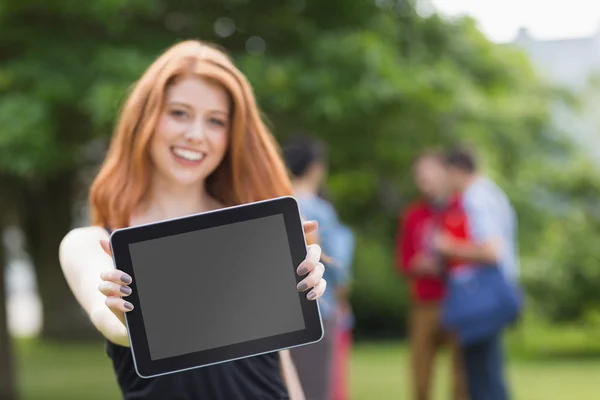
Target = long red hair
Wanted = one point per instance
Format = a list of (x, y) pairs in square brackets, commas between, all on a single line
[(252, 169)]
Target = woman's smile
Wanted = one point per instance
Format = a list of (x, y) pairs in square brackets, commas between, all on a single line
[(187, 156)]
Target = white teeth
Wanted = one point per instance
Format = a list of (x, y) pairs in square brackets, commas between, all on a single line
[(189, 155)]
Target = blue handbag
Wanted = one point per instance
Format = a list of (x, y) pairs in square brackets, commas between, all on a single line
[(480, 304)]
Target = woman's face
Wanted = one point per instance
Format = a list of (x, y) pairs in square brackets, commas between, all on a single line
[(192, 135)]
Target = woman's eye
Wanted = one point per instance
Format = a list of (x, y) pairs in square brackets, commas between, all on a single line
[(179, 113), (216, 121)]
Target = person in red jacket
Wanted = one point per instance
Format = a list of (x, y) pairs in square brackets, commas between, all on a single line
[(418, 263)]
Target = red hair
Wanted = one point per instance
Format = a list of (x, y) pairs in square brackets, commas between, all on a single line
[(252, 169)]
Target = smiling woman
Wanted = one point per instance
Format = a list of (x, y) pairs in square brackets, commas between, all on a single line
[(181, 110), (189, 139), (192, 134), (194, 92)]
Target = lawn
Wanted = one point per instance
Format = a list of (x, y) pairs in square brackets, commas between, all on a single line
[(379, 372)]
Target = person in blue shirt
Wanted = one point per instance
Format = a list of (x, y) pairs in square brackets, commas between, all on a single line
[(307, 163), (491, 242)]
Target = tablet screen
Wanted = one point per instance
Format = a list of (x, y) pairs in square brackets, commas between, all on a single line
[(218, 286)]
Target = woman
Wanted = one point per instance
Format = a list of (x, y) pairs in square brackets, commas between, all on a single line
[(306, 160), (189, 140)]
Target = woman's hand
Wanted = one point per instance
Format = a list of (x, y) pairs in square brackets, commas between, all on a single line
[(115, 285), (312, 267)]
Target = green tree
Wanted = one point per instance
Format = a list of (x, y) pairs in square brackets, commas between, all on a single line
[(563, 277), (8, 389), (376, 80), (65, 68), (382, 92)]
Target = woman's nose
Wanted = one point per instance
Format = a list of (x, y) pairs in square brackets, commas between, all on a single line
[(195, 132)]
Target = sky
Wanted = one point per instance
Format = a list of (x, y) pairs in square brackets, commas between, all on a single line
[(500, 20)]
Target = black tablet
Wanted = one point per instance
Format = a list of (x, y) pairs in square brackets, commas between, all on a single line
[(215, 287)]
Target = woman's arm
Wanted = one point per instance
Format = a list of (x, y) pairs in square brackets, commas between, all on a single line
[(97, 285), (290, 376), (82, 260)]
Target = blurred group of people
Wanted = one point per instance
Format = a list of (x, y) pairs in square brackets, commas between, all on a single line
[(449, 244), (457, 248)]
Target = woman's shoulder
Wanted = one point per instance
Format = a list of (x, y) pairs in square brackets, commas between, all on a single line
[(87, 232)]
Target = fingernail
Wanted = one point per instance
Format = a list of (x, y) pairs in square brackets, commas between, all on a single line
[(128, 306), (126, 279), (302, 287), (311, 295), (302, 270), (125, 289)]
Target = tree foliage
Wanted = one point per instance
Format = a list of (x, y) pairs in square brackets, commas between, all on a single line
[(377, 81)]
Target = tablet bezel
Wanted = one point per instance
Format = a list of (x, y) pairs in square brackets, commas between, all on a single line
[(120, 240)]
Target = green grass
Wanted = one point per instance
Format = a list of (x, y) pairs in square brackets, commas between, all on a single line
[(65, 372), (379, 370)]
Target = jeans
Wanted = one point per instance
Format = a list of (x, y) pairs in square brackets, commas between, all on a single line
[(484, 364)]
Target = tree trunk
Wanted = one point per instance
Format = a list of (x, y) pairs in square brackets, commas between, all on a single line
[(8, 386), (47, 217)]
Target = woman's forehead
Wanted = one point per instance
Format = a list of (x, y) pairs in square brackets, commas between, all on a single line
[(197, 92)]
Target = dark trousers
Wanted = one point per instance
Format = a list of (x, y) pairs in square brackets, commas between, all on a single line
[(484, 363), (314, 364), (426, 339)]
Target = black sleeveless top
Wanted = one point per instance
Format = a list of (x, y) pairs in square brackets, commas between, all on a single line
[(254, 378)]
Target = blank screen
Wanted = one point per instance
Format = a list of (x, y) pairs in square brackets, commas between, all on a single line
[(216, 287)]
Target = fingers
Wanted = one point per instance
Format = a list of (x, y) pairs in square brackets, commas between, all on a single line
[(310, 226), (314, 279), (118, 305), (318, 290), (106, 247), (313, 256), (113, 289), (313, 269), (114, 286), (116, 276)]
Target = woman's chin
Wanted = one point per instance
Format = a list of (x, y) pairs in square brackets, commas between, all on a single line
[(188, 180)]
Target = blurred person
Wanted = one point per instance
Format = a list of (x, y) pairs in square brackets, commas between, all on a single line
[(343, 247), (307, 163), (480, 232), (189, 140), (345, 244), (419, 263)]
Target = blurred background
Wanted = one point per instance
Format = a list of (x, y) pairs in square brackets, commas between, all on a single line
[(378, 81)]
